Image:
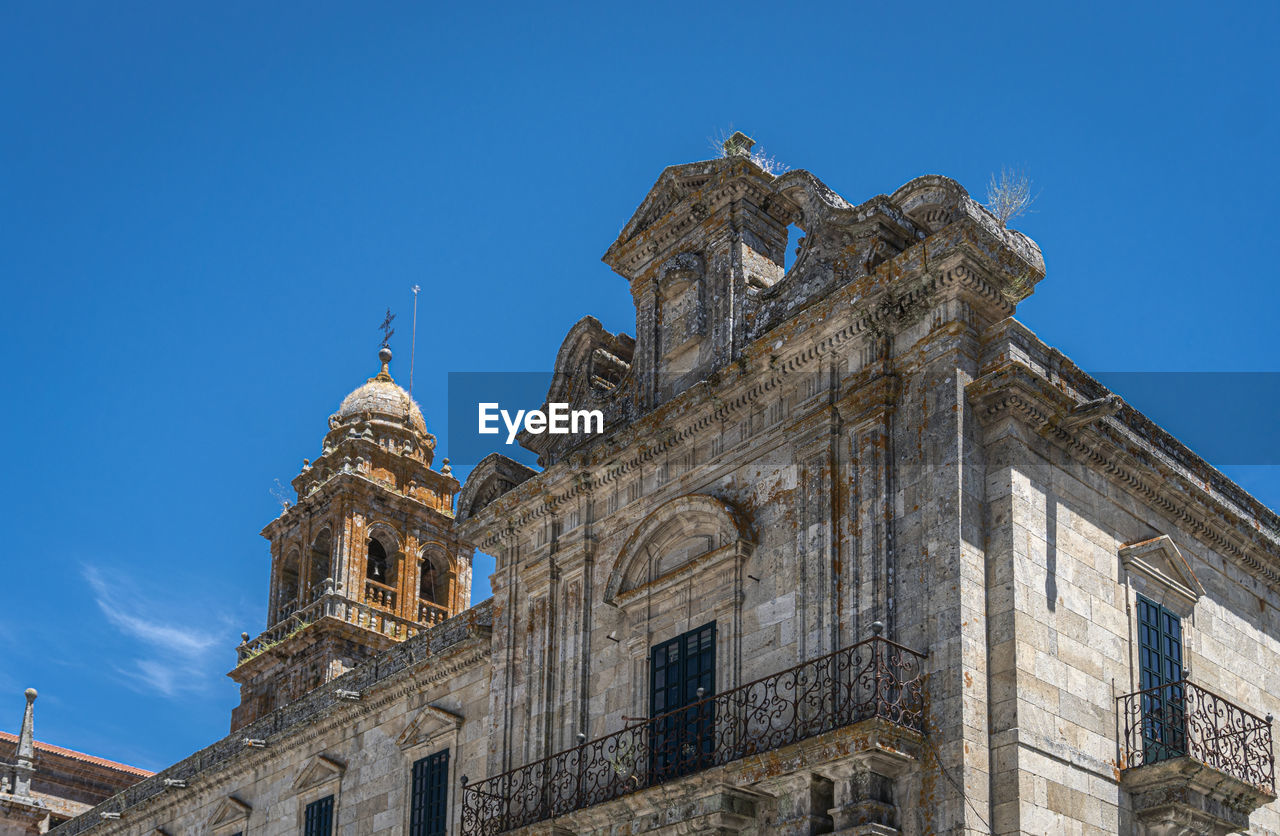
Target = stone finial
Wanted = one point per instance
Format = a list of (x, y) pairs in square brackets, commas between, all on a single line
[(384, 354), (738, 145), (445, 468), (25, 767)]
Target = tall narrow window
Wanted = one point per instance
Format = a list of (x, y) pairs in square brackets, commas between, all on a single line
[(683, 726), (319, 818), (429, 796), (1160, 672)]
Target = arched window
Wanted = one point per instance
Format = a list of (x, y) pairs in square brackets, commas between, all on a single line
[(289, 583), (287, 589), (429, 581), (319, 569), (376, 567)]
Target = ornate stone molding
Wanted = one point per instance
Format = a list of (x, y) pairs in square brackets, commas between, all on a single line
[(1015, 390)]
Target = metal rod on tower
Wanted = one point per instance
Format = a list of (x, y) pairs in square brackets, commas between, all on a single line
[(413, 339)]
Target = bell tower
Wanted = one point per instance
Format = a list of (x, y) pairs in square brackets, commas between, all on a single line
[(366, 558)]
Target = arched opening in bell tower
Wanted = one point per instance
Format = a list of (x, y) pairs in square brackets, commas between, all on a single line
[(320, 567), (376, 565)]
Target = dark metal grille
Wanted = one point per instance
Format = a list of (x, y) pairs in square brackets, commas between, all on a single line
[(429, 804), (319, 818), (682, 673), (875, 678), (1181, 719)]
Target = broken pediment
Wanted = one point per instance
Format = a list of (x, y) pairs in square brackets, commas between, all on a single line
[(1162, 573), (491, 478), (229, 812), (591, 368), (318, 771), (429, 725)]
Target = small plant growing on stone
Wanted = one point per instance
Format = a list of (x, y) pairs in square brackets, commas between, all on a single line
[(733, 143), (281, 493), (1009, 196)]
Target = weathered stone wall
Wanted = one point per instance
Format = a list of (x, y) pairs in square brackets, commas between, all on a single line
[(1061, 610), (426, 694)]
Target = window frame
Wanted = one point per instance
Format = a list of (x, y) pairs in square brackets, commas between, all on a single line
[(437, 781), (330, 812)]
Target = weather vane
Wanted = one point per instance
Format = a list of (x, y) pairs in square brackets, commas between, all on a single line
[(387, 330)]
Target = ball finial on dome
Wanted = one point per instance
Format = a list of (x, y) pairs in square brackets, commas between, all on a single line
[(384, 354), (30, 694)]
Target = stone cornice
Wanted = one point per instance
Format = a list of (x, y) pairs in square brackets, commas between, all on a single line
[(336, 486), (1122, 448), (877, 306)]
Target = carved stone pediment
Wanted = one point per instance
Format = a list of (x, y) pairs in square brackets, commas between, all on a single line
[(694, 531), (430, 725), (319, 770), (491, 478), (228, 813), (1161, 573), (592, 367)]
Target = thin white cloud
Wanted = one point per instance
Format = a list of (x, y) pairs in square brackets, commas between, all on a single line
[(172, 658)]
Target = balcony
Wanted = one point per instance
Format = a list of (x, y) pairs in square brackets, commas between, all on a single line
[(1184, 746), (430, 613), (379, 595), (876, 679), (333, 605)]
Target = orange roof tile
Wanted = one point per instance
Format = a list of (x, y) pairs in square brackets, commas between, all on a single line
[(79, 756)]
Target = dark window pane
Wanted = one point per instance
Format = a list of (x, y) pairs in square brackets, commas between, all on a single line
[(429, 802), (319, 817)]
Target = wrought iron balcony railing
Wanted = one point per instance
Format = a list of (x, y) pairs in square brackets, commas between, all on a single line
[(875, 678), (1181, 719)]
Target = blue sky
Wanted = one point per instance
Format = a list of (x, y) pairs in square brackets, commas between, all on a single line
[(205, 209)]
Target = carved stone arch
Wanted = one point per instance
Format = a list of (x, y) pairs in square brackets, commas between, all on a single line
[(678, 537), (320, 559), (810, 201), (387, 534), (434, 557), (391, 544), (288, 582), (932, 201)]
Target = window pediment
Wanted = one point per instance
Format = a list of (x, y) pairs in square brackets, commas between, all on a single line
[(1162, 574), (319, 771), (230, 811), (687, 533), (428, 726)]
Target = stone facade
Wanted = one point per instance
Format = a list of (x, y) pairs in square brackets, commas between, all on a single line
[(856, 554)]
